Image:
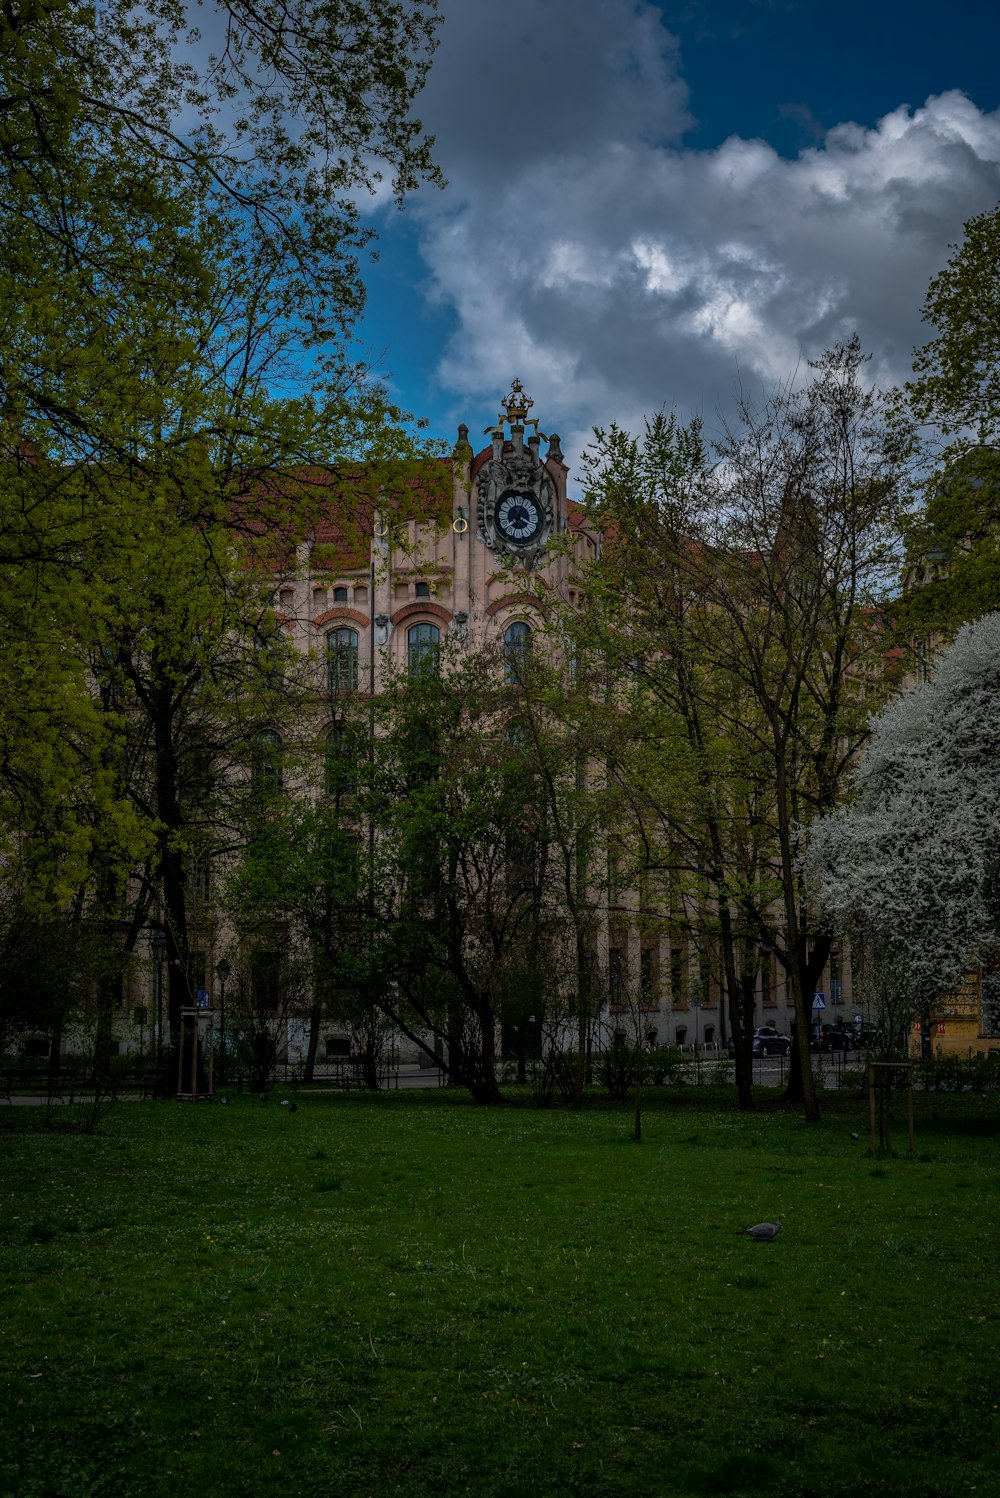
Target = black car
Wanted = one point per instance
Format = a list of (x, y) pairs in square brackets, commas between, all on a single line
[(767, 1041), (832, 1038)]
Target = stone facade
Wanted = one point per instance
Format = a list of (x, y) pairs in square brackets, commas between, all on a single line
[(498, 535), (504, 515)]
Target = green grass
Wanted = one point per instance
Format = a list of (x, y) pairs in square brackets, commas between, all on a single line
[(406, 1294)]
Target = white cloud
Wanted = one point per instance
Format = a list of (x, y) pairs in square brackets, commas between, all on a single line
[(582, 248)]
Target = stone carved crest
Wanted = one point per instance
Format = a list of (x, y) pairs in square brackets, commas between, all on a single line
[(517, 485)]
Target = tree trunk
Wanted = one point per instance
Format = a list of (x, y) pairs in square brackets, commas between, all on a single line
[(315, 1016), (171, 860), (637, 1119), (801, 1086), (55, 1042), (583, 976), (741, 1012), (109, 993)]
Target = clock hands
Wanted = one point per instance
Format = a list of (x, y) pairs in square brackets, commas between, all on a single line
[(518, 517)]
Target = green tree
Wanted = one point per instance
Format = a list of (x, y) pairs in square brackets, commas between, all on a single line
[(957, 383), (953, 546), (179, 238), (457, 805), (569, 735), (283, 121), (179, 270), (696, 802), (313, 870), (777, 563), (49, 964), (189, 663)]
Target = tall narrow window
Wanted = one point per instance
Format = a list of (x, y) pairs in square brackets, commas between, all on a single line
[(768, 993), (265, 980), (836, 997), (678, 978), (342, 659), (340, 778), (516, 650), (423, 647), (267, 775), (198, 974), (200, 877), (616, 977), (269, 658), (648, 977), (588, 975)]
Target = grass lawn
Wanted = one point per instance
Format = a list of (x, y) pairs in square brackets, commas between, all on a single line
[(407, 1294)]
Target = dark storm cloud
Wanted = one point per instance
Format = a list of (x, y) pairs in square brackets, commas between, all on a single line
[(537, 78), (583, 248)]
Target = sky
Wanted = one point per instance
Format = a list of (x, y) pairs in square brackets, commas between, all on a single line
[(667, 205)]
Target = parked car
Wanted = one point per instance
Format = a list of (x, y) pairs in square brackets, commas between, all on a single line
[(835, 1037), (767, 1041), (865, 1036)]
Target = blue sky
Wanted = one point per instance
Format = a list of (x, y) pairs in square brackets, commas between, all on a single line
[(663, 204)]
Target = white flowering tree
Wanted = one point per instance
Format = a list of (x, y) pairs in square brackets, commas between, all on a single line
[(909, 870)]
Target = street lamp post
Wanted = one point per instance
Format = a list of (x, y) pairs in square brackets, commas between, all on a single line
[(222, 970), (158, 942)]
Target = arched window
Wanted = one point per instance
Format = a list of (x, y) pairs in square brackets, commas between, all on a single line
[(267, 773), (340, 777), (423, 647), (516, 650), (342, 660), (340, 595)]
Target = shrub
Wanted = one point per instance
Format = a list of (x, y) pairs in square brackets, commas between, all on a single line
[(665, 1066), (960, 1073), (618, 1066)]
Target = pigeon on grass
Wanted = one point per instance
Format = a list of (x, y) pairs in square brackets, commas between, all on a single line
[(761, 1232)]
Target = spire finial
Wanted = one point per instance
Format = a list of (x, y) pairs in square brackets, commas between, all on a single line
[(516, 405)]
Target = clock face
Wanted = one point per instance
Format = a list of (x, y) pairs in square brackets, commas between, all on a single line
[(518, 516)]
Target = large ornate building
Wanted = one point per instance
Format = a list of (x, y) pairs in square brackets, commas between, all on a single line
[(396, 593), (474, 571)]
